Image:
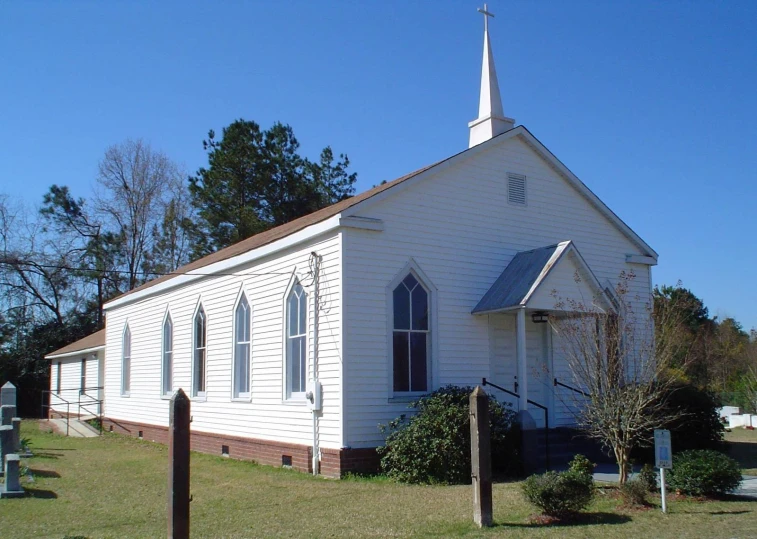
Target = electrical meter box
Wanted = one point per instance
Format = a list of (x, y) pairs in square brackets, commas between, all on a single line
[(313, 395)]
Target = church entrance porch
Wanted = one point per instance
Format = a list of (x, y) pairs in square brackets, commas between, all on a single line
[(531, 381), (524, 352)]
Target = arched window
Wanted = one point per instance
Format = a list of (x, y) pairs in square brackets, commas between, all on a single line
[(199, 363), (167, 386), (411, 336), (296, 345), (242, 341), (126, 361)]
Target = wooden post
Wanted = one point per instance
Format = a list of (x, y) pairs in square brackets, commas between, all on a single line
[(178, 467), (481, 458)]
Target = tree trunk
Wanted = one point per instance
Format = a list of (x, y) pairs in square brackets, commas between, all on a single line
[(621, 457)]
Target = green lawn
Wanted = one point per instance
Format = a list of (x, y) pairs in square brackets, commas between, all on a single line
[(116, 487)]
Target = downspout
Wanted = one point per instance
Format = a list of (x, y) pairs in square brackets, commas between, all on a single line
[(316, 313)]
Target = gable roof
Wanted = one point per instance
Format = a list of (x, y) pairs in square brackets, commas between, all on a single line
[(522, 277), (512, 287), (90, 343), (381, 191)]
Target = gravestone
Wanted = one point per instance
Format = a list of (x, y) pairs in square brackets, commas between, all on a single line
[(16, 424), (6, 441), (8, 413), (12, 487), (8, 394)]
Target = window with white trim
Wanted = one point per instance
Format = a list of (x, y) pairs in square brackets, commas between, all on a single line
[(199, 359), (83, 375), (296, 337), (242, 347), (167, 362), (59, 378), (411, 336), (126, 361)]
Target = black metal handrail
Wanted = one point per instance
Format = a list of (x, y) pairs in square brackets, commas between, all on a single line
[(82, 392), (51, 394), (485, 383), (92, 402), (571, 388)]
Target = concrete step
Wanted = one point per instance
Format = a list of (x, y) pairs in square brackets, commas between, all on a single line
[(76, 428)]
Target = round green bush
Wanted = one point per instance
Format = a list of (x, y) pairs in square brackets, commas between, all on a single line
[(634, 492), (433, 446), (648, 477), (560, 494), (581, 464), (704, 472)]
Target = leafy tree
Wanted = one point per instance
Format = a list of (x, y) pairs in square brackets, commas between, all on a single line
[(93, 251), (256, 180), (729, 354), (696, 330), (622, 361)]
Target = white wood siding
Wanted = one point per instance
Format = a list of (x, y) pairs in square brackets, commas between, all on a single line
[(267, 415), (460, 230), (560, 285), (70, 368)]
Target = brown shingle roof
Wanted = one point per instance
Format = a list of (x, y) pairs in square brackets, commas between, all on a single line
[(277, 233), (95, 340)]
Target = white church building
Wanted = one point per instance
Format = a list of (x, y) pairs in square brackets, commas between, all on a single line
[(296, 343)]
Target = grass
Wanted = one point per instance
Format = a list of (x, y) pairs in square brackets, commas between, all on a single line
[(116, 487)]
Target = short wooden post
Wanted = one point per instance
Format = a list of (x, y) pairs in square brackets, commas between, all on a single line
[(481, 457), (178, 467)]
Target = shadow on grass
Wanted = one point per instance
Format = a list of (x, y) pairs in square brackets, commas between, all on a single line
[(41, 494), (44, 473), (583, 519), (744, 452), (47, 456), (735, 498), (728, 512)]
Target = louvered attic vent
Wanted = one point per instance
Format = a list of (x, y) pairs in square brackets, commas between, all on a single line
[(516, 189)]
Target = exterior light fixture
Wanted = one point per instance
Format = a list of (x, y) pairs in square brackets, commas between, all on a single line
[(540, 317)]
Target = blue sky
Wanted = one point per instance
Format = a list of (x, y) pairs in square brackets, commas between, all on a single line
[(651, 104)]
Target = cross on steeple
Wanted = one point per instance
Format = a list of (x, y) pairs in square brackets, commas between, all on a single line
[(487, 14)]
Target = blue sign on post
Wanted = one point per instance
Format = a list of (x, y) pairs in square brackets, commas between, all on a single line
[(663, 456), (663, 452)]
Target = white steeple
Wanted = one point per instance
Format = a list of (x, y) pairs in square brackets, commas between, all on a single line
[(491, 119)]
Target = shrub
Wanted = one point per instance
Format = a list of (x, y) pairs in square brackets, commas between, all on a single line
[(634, 492), (560, 494), (696, 425), (699, 425), (648, 477), (433, 446), (704, 473), (581, 464)]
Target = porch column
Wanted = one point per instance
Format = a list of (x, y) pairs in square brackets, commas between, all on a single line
[(520, 347)]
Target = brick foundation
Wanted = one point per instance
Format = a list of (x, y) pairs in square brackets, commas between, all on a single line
[(334, 462)]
